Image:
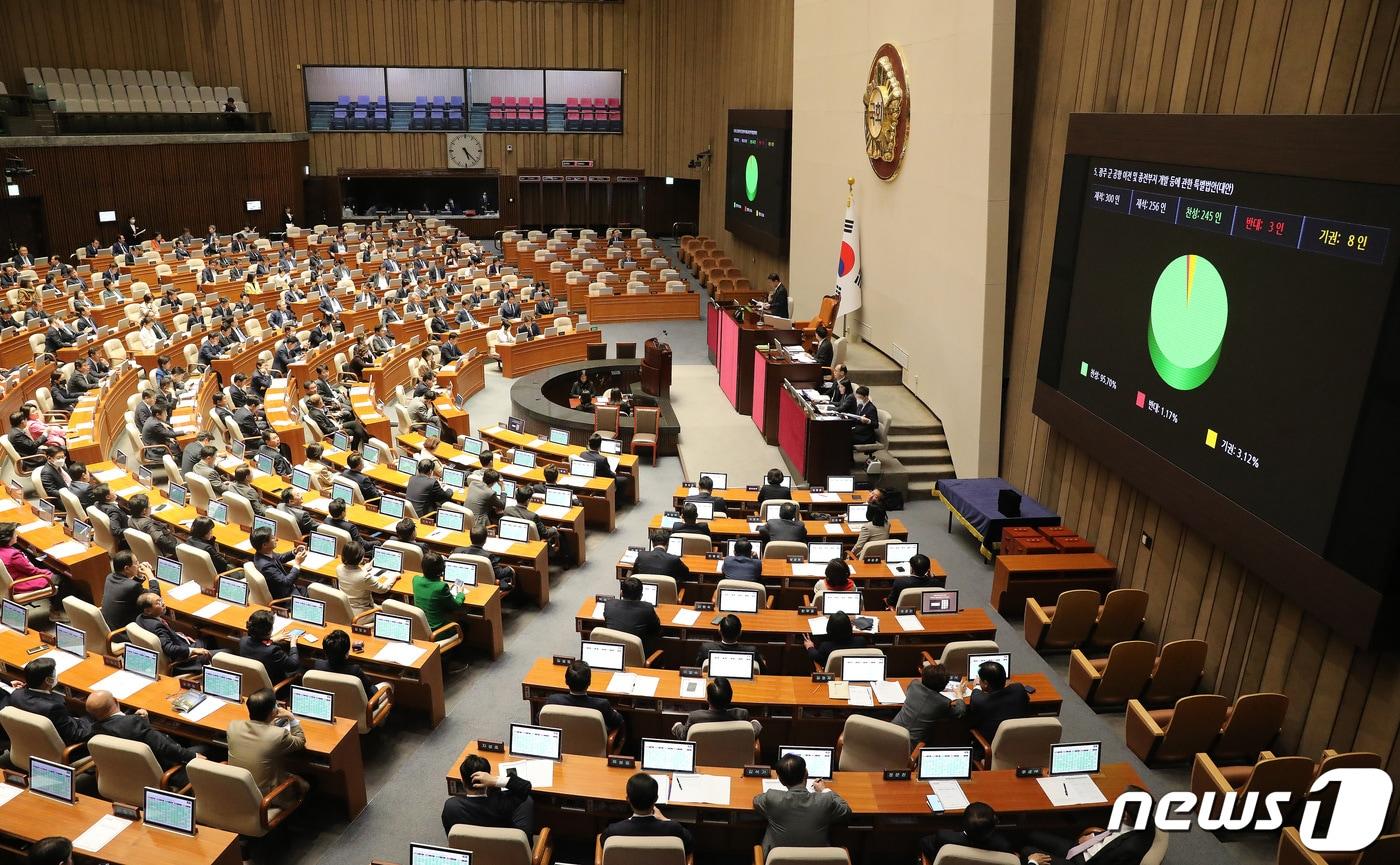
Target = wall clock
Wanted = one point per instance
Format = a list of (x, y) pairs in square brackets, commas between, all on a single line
[(465, 150)]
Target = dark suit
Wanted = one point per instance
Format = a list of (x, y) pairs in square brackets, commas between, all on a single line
[(824, 646), (347, 668), (989, 708), (783, 530), (634, 617), (865, 433), (135, 728), (601, 468), (715, 501), (280, 580), (247, 422), (778, 301), (367, 487), (141, 414), (425, 494), (57, 337), (824, 352), (344, 525), (611, 717), (798, 817), (174, 644), (995, 842), (215, 555), (773, 491), (648, 827), (71, 729), (695, 528), (1125, 849), (927, 581), (658, 561), (53, 480), (741, 568), (923, 708), (119, 595), (280, 663), (498, 809), (25, 444), (714, 646)]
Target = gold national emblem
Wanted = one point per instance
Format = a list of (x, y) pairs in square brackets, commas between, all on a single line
[(886, 113)]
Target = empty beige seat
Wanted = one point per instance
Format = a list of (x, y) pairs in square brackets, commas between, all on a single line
[(1177, 734), (125, 768), (1063, 625), (1021, 742), (1271, 774), (1251, 726), (1107, 683), (1177, 673), (633, 654)]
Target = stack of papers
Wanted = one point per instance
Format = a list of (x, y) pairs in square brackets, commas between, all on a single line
[(33, 527), (710, 789), (208, 706), (950, 793), (498, 545), (597, 610), (8, 792), (62, 661), (861, 696), (67, 548), (403, 654), (889, 693), (631, 683), (540, 773), (122, 684), (211, 609), (184, 591), (838, 690), (109, 475), (629, 557), (909, 623), (314, 561), (1071, 790), (99, 834), (552, 512), (573, 481), (685, 618), (693, 688), (818, 626), (808, 569), (8, 504), (826, 497), (834, 528), (775, 784)]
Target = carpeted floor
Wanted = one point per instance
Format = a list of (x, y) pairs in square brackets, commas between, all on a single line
[(407, 762)]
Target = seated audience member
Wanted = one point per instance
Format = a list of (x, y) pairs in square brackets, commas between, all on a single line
[(705, 494), (262, 743), (837, 579), (787, 527), (257, 645), (840, 634), (488, 801), (337, 660), (185, 653), (124, 585), (1124, 846), (633, 615), (925, 704), (772, 487), (877, 529), (731, 627), (919, 578), (578, 676), (743, 565), (646, 820), (281, 580), (202, 538), (798, 817), (689, 523), (26, 575), (109, 720), (352, 577), (979, 831), (432, 595), (504, 574), (658, 561), (996, 700), (719, 695), (53, 850), (37, 695)]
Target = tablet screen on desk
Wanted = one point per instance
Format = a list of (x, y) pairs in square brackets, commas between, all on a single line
[(900, 552), (407, 466), (737, 600), (313, 704), (177, 494), (601, 656), (371, 455), (522, 458), (704, 510), (301, 479), (542, 742), (451, 519), (559, 497), (938, 602), (612, 446), (863, 668), (232, 591), (399, 629), (454, 479), (391, 506), (321, 544), (649, 593), (841, 602), (855, 514), (169, 811), (840, 484), (460, 573), (581, 468), (142, 662), (168, 570), (821, 552), (720, 480), (512, 529), (224, 684), (818, 760), (975, 661), (731, 665), (1075, 758), (51, 779), (668, 755), (471, 445), (940, 763), (387, 560), (424, 854), (558, 436), (308, 611)]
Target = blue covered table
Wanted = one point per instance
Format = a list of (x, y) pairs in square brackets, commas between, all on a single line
[(974, 502)]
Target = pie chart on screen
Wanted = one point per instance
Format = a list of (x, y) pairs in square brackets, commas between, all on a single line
[(1190, 309), (751, 177)]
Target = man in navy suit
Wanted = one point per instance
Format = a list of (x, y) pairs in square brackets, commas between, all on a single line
[(778, 296), (866, 424), (646, 819)]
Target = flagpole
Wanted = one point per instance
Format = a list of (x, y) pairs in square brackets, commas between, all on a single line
[(850, 197)]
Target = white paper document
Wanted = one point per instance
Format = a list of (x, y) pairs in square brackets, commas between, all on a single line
[(540, 773), (122, 684), (861, 696), (62, 661), (8, 504), (775, 784), (808, 569), (321, 506), (597, 610), (663, 788), (534, 443), (573, 481), (712, 789), (315, 561), (834, 528), (184, 591), (899, 569), (66, 549), (889, 693), (99, 834), (208, 706), (403, 654), (211, 609), (621, 683), (8, 792), (950, 793), (280, 623), (825, 498), (628, 557), (108, 475), (818, 626), (685, 618), (498, 545), (1071, 790), (838, 690), (692, 688), (552, 512), (32, 527), (909, 623)]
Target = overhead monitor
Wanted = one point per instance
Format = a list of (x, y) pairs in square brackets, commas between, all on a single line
[(757, 176)]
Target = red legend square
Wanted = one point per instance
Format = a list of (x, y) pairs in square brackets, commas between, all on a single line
[(1142, 399)]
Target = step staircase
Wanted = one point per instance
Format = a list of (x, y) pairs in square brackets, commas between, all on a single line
[(917, 439)]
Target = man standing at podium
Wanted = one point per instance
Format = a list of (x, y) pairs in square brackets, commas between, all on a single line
[(777, 296)]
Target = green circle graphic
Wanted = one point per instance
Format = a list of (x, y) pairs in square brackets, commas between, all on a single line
[(1190, 309), (751, 177)]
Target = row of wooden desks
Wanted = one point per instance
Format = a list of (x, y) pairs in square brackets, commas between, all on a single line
[(818, 531), (793, 710), (524, 356), (332, 753), (49, 543), (778, 634), (788, 582), (500, 437), (744, 500), (887, 816)]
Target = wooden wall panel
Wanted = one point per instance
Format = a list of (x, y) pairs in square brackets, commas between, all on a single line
[(170, 186), (1235, 56)]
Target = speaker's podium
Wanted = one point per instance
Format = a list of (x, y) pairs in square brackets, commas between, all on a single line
[(656, 368), (815, 443)]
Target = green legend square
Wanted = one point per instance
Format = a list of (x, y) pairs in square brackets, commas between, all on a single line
[(1083, 368)]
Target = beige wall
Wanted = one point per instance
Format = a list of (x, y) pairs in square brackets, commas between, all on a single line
[(933, 240)]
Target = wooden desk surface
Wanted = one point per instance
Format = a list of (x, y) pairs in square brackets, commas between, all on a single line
[(519, 358), (867, 792), (642, 307), (781, 571), (29, 817), (503, 437), (748, 499), (88, 567), (1041, 562), (790, 623), (733, 527)]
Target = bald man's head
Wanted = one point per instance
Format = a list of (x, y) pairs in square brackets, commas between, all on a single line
[(101, 705)]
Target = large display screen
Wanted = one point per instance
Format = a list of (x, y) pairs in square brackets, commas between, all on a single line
[(1228, 321), (757, 174)]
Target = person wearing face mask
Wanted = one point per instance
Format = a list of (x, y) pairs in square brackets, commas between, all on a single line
[(865, 421)]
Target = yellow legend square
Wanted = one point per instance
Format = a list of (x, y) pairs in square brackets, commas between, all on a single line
[(1210, 438)]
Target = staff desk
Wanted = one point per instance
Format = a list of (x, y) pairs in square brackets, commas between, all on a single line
[(499, 437), (29, 817), (391, 370), (97, 421), (778, 634), (519, 358), (887, 816), (303, 371), (726, 528), (87, 565), (741, 500), (332, 752), (481, 607), (277, 404), (419, 684), (642, 307), (598, 495), (1044, 575), (530, 559), (784, 584), (463, 379), (793, 710), (366, 409)]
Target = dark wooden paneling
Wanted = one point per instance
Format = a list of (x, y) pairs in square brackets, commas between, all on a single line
[(1190, 56), (166, 186)]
